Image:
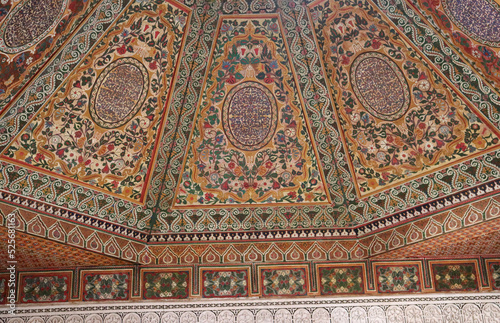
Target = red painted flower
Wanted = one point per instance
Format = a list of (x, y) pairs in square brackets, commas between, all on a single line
[(122, 50), (209, 196), (461, 146), (39, 157), (292, 194), (345, 59), (231, 165), (231, 79), (269, 164), (376, 44), (153, 65)]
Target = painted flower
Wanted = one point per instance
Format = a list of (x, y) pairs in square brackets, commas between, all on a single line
[(372, 183), (444, 130), (290, 132), (238, 171), (429, 145), (273, 27), (486, 52), (122, 50), (261, 171), (219, 139), (309, 196), (127, 191), (226, 65), (355, 117), (381, 156), (404, 156), (191, 198), (424, 85), (225, 28), (273, 64), (479, 142), (344, 59)]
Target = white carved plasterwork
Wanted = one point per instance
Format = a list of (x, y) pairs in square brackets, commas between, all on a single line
[(428, 308)]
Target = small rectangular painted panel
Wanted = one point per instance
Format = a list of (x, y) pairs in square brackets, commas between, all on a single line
[(171, 284), (225, 283), (41, 288)]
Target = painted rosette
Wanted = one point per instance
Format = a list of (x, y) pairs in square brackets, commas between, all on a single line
[(380, 86), (249, 116), (478, 19), (119, 93), (28, 23)]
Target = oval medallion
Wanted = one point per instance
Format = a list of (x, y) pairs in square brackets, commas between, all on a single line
[(119, 93), (249, 116), (479, 19), (29, 22), (380, 86)]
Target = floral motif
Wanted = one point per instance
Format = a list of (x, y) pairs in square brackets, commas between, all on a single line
[(495, 275), (455, 277), (438, 128), (225, 283), (65, 139), (284, 282), (47, 288), (166, 285), (265, 165), (112, 286), (392, 279), (341, 280)]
